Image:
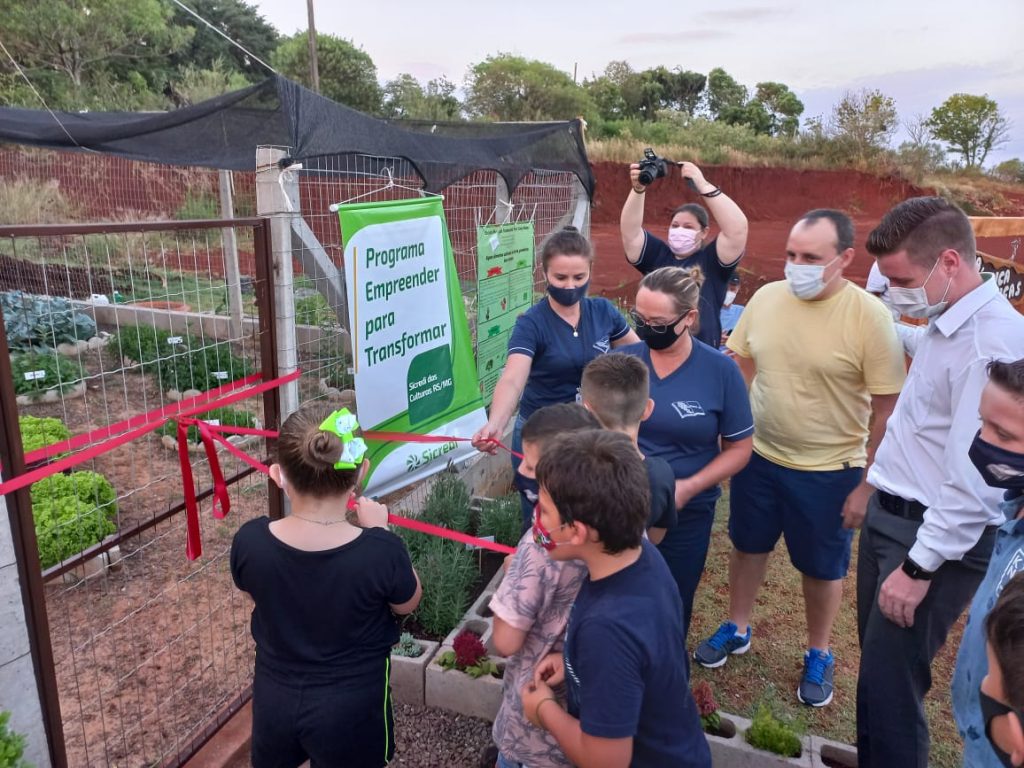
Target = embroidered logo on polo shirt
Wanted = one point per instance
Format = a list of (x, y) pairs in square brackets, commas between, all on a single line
[(1013, 567), (603, 345), (688, 408)]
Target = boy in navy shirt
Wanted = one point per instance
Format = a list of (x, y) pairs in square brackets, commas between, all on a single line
[(616, 390), (624, 663)]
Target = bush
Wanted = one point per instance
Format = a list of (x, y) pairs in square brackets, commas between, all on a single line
[(38, 432), (447, 503), (198, 205), (141, 344), (503, 519), (194, 366), (57, 372), (228, 417), (447, 571), (12, 745), (71, 512), (41, 322), (772, 735), (25, 201)]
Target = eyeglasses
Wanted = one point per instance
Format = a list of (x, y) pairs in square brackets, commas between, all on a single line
[(639, 322)]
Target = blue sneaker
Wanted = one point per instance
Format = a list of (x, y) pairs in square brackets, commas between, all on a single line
[(816, 684), (715, 651)]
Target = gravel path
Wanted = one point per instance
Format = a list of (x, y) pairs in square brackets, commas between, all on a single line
[(436, 738)]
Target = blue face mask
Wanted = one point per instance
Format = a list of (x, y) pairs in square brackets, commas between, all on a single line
[(568, 296)]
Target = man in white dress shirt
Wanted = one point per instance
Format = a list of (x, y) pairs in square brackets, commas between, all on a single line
[(930, 526)]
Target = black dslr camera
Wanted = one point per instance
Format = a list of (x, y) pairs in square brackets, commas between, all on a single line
[(652, 167)]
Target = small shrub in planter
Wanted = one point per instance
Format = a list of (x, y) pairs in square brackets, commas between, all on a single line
[(469, 655), (407, 646), (42, 322), (71, 513), (38, 432), (503, 519), (447, 503), (769, 733), (228, 417), (57, 373), (12, 745), (447, 571)]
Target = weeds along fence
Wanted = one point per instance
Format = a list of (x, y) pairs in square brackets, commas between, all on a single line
[(142, 653)]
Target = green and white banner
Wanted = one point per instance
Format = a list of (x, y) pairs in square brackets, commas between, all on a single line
[(412, 354), (504, 277)]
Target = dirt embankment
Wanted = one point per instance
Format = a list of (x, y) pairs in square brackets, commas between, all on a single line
[(772, 199)]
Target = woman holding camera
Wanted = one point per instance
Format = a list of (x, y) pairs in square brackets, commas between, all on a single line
[(551, 344), (687, 243)]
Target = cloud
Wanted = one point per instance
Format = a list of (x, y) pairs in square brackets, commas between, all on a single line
[(749, 13), (685, 36)]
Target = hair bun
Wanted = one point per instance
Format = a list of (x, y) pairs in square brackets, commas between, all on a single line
[(322, 448), (569, 228)]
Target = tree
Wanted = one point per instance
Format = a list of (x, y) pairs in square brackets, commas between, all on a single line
[(782, 107), (686, 90), (865, 122), (507, 87), (1010, 170), (723, 92), (753, 114), (83, 42), (239, 21), (405, 98), (971, 126), (347, 74)]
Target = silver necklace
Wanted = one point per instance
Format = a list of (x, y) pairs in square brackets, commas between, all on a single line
[(318, 522)]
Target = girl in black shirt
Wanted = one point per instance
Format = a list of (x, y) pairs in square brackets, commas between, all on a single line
[(326, 592)]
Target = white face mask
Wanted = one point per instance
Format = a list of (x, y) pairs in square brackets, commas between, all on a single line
[(730, 297), (682, 240), (913, 302), (807, 281)]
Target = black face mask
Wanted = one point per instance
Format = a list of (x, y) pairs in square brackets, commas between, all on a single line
[(991, 708), (568, 296), (528, 486), (998, 467), (656, 337)]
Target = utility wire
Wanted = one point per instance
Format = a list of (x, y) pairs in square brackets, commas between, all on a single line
[(238, 45)]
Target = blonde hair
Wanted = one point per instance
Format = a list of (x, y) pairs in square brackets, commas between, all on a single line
[(307, 454), (682, 285)]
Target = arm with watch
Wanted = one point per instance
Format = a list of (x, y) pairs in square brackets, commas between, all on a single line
[(960, 510)]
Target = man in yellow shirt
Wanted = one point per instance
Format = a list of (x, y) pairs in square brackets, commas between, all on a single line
[(821, 357)]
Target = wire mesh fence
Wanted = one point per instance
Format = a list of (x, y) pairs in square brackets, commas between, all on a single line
[(106, 329)]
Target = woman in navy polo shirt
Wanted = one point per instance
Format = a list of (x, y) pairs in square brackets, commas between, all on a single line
[(701, 423), (552, 342)]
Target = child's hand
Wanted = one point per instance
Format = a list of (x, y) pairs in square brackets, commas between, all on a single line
[(550, 670), (371, 514), (533, 696)]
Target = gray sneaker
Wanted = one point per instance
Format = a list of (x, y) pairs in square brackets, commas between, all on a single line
[(816, 685), (715, 651)]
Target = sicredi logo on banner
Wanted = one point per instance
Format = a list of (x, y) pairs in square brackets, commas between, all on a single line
[(403, 332)]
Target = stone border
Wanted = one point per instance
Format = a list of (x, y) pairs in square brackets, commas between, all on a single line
[(408, 674), (53, 395)]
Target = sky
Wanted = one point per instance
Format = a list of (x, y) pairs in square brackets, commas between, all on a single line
[(918, 52)]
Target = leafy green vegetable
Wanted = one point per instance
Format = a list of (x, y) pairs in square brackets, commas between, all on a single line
[(58, 372), (38, 432), (71, 512), (42, 322), (12, 745)]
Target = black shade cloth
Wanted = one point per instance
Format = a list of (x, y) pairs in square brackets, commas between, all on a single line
[(224, 132)]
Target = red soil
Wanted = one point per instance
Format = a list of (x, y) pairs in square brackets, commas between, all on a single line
[(772, 199)]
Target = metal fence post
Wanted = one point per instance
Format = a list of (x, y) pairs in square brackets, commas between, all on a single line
[(26, 552)]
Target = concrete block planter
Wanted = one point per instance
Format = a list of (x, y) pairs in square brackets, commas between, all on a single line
[(458, 692), (109, 560), (832, 754), (735, 752), (408, 674)]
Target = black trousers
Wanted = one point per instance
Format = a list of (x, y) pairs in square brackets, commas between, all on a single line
[(895, 663)]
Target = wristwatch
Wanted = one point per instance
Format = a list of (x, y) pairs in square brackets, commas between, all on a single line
[(915, 571)]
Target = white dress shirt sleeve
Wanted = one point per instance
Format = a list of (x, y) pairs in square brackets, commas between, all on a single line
[(955, 522), (909, 336)]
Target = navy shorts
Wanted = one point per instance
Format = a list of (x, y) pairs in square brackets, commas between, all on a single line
[(768, 500)]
